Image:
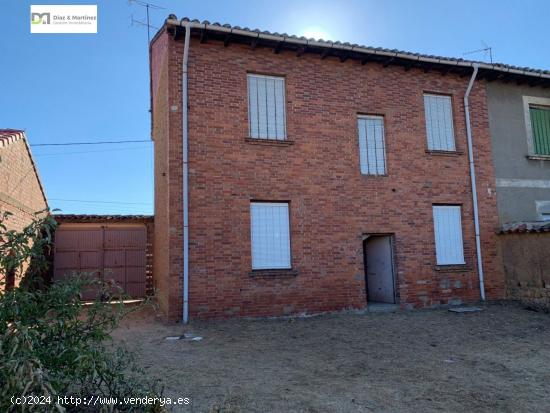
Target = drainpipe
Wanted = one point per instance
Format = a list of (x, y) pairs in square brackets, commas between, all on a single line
[(185, 189), (473, 180)]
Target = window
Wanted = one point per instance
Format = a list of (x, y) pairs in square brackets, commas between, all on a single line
[(270, 235), (439, 122), (372, 145), (448, 235), (540, 127), (537, 123), (266, 107), (543, 210)]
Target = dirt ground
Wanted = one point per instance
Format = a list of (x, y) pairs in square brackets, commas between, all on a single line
[(497, 360)]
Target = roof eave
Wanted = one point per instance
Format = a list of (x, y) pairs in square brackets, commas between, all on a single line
[(337, 46)]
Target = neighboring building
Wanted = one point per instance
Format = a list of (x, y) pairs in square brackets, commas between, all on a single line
[(519, 116), (322, 175), (21, 191)]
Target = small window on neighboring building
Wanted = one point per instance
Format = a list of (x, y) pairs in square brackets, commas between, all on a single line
[(266, 107), (540, 127), (448, 234), (372, 145), (270, 235), (439, 122), (543, 210)]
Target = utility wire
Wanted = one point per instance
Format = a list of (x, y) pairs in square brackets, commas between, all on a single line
[(99, 202), (132, 148), (87, 143)]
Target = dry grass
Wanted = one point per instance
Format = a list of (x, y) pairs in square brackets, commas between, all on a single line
[(421, 361)]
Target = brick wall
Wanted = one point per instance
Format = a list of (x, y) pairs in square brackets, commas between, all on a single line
[(526, 265), (168, 182), (20, 191), (332, 205)]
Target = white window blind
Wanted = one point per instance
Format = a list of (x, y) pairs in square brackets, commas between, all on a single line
[(448, 235), (372, 145), (439, 122), (270, 235), (266, 107), (543, 210)]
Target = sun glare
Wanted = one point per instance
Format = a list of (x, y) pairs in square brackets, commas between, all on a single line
[(315, 33)]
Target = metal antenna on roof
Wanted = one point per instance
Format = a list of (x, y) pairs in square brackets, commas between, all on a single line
[(486, 50), (146, 22)]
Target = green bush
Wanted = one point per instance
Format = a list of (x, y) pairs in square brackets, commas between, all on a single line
[(52, 344)]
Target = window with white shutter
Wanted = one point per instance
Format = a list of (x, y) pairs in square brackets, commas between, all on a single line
[(372, 145), (270, 235), (543, 210), (448, 234), (266, 107), (439, 122)]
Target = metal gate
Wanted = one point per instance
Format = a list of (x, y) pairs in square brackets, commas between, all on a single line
[(109, 252)]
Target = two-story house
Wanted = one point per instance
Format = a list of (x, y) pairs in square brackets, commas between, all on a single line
[(519, 115), (298, 176), (519, 118)]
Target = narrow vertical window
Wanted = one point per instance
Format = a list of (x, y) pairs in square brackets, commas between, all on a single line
[(270, 235), (266, 107), (540, 127), (448, 234), (439, 122), (372, 145)]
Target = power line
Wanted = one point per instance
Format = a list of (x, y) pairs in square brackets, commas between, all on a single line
[(87, 201), (88, 143), (132, 148)]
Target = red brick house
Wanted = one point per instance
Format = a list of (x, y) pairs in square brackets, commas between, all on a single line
[(21, 191), (321, 176)]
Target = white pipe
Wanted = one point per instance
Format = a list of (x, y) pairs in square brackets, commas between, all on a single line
[(185, 189), (473, 180)]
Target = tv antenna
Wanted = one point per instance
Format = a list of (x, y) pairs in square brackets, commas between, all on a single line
[(486, 50), (146, 23)]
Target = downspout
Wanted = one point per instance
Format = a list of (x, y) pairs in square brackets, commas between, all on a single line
[(473, 180), (185, 189)]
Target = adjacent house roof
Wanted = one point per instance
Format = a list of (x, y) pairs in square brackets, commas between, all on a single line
[(344, 51), (525, 227), (8, 136)]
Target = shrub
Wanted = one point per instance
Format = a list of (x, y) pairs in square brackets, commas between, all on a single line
[(52, 344)]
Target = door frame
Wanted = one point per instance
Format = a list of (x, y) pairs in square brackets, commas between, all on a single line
[(365, 238)]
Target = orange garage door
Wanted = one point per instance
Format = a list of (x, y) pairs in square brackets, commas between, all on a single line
[(111, 252)]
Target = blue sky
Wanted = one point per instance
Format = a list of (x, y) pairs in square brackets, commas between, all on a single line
[(94, 87)]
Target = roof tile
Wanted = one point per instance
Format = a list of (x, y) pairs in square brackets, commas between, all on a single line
[(501, 66)]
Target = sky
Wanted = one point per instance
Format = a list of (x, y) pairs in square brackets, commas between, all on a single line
[(95, 87)]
